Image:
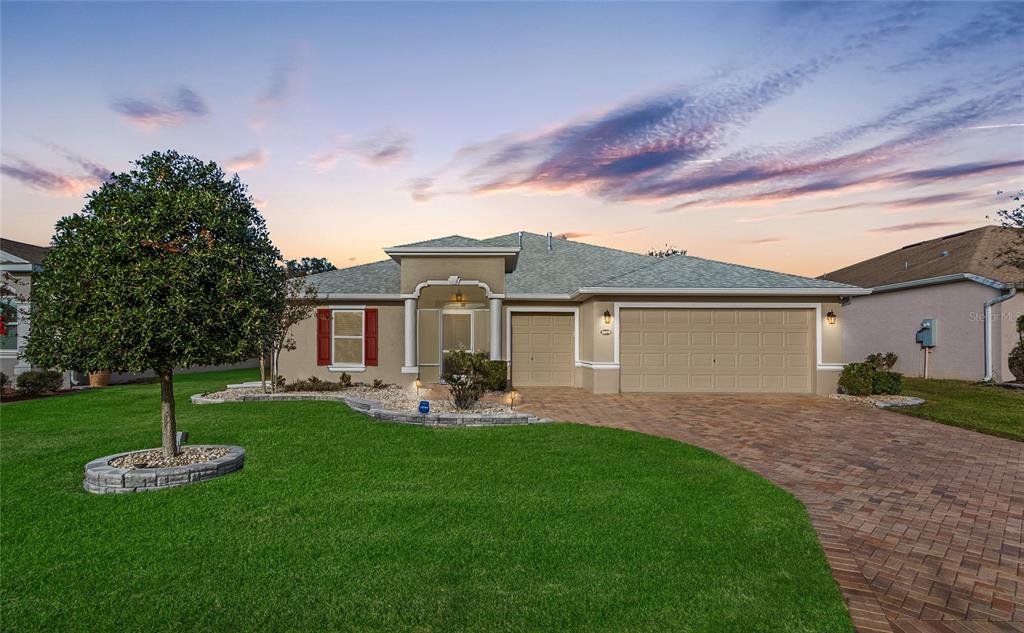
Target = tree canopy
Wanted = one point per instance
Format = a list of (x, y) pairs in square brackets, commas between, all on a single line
[(308, 266), (168, 265)]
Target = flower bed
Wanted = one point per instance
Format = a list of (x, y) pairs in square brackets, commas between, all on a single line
[(129, 472), (880, 401)]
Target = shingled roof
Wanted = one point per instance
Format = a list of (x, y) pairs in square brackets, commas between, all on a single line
[(567, 266), (29, 252), (975, 252)]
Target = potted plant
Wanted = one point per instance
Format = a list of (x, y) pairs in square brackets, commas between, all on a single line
[(100, 378)]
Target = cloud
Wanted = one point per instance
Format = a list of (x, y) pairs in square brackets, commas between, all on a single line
[(259, 203), (49, 181), (378, 150), (1001, 22), (914, 226), (249, 160), (285, 78), (767, 240), (572, 235), (995, 127), (902, 203), (182, 106)]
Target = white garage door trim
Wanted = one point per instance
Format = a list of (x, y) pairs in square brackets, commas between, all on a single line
[(697, 304), (575, 312)]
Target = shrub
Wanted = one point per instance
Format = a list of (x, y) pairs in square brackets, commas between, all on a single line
[(5, 380), (497, 375), (1016, 362), (315, 384), (35, 382), (345, 380), (466, 375), (379, 384), (882, 362), (857, 379), (887, 382)]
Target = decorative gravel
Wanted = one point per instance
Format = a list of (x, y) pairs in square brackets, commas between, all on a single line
[(391, 398), (880, 401), (154, 458)]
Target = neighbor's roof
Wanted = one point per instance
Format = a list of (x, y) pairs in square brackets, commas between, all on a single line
[(569, 266), (975, 252), (29, 252)]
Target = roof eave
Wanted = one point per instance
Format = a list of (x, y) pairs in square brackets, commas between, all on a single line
[(839, 292), (510, 253), (942, 279)]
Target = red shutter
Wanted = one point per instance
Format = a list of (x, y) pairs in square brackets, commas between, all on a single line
[(323, 337), (371, 336)]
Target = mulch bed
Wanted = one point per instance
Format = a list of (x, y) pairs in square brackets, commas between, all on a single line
[(153, 458)]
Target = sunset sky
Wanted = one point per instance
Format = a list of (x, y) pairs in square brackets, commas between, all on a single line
[(797, 137)]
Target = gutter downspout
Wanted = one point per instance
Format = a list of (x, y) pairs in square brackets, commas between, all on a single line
[(988, 329)]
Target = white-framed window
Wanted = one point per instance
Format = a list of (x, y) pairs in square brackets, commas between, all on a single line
[(348, 332), (8, 320)]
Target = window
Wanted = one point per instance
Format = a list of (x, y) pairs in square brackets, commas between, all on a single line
[(347, 338), (8, 321)]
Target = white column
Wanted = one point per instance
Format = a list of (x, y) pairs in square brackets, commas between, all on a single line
[(409, 366), (495, 329)]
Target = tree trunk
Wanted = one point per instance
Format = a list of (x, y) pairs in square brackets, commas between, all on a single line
[(167, 421), (263, 370)]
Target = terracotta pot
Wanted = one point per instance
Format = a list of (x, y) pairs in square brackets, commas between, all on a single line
[(99, 378)]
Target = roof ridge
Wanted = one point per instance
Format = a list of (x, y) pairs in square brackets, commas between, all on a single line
[(565, 239), (657, 261), (347, 268)]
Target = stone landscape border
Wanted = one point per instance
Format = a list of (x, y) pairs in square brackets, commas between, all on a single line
[(102, 478), (375, 410)]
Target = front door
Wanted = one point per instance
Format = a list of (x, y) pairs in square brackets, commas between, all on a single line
[(456, 332)]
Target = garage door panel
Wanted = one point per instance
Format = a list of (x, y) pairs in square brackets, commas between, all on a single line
[(543, 349), (727, 350)]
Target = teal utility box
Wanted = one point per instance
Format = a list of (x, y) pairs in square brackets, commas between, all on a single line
[(926, 335)]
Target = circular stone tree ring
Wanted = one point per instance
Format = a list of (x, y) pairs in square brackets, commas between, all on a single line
[(101, 477)]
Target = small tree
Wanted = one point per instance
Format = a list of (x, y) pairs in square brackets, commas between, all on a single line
[(168, 265), (665, 251), (299, 304), (1012, 217)]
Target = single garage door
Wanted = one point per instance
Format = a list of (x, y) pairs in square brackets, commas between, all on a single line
[(542, 349), (724, 350)]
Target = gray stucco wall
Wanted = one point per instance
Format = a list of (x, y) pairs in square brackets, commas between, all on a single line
[(887, 322)]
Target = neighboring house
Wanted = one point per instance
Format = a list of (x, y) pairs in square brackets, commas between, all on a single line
[(17, 263), (959, 281), (564, 313)]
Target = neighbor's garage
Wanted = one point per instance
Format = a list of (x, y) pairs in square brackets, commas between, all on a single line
[(542, 349), (723, 350)]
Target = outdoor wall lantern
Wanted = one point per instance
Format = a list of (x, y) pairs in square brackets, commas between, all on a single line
[(831, 317), (607, 317)]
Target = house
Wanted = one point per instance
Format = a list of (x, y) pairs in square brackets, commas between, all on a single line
[(961, 283), (18, 261), (565, 313)]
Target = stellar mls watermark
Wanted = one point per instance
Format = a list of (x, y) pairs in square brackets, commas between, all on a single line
[(976, 317)]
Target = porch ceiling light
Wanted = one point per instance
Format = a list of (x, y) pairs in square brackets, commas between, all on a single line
[(831, 317), (607, 317)]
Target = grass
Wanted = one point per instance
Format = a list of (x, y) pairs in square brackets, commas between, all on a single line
[(983, 408), (342, 523)]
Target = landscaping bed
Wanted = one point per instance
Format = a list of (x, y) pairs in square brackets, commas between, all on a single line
[(390, 397), (882, 401)]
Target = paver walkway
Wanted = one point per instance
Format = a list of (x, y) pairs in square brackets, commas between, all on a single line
[(921, 522)]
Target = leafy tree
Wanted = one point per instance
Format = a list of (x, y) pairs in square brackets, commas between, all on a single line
[(299, 305), (168, 265), (1013, 218), (308, 266), (666, 251)]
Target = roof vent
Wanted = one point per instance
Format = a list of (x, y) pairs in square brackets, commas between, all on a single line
[(520, 239), (944, 254), (906, 265), (549, 240)]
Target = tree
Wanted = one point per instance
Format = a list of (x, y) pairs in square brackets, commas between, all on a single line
[(167, 265), (308, 266), (299, 305), (1013, 218), (666, 251)]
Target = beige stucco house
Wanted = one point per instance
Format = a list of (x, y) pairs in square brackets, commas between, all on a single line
[(959, 281), (565, 313), (18, 261)]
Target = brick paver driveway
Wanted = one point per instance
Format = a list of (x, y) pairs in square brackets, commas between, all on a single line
[(921, 522)]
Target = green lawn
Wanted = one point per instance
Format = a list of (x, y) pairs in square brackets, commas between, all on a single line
[(342, 523), (993, 410)]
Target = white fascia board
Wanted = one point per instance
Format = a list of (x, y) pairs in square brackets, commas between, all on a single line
[(539, 296), (438, 251), (7, 258), (353, 297), (942, 279), (815, 292), (19, 267)]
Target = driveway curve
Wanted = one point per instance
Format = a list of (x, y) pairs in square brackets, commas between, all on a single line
[(921, 522)]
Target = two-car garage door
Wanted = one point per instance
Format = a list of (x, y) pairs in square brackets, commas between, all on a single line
[(724, 350)]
